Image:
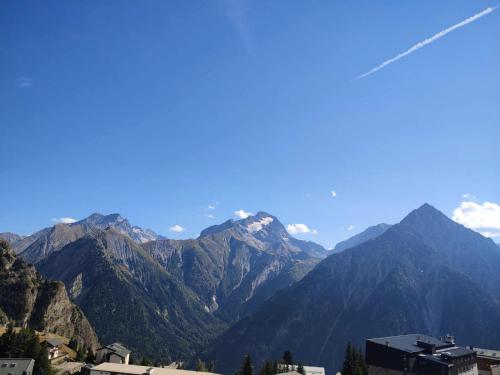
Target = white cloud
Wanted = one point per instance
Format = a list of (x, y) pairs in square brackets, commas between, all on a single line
[(469, 196), (242, 214), (211, 207), (210, 216), (333, 193), (257, 225), (430, 40), (177, 228), (481, 217), (24, 82), (64, 220), (350, 227), (300, 228)]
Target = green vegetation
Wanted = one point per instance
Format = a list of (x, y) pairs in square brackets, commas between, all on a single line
[(24, 344), (354, 362), (246, 366)]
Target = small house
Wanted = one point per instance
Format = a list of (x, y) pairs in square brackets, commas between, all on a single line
[(114, 353)]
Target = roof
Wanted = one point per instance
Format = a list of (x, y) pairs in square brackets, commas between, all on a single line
[(456, 352), (119, 349), (15, 366), (54, 341), (139, 370), (490, 353), (408, 343)]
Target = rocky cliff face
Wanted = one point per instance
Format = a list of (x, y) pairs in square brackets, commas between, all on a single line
[(27, 299)]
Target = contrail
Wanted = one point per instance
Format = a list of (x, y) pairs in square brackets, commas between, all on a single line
[(430, 40)]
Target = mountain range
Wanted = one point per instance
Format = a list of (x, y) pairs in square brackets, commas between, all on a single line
[(248, 286), (167, 299), (426, 274)]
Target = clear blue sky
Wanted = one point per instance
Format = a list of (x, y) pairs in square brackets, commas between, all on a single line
[(158, 109)]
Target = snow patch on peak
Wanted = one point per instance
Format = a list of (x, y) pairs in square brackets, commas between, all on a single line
[(258, 225)]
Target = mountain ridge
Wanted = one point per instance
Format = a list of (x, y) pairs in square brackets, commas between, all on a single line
[(392, 284)]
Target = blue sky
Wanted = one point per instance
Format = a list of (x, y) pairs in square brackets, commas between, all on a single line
[(158, 109)]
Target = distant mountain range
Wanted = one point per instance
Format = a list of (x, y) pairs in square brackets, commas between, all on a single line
[(48, 240), (248, 286), (28, 299), (426, 274), (168, 298)]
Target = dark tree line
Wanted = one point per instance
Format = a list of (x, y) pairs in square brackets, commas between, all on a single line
[(25, 344), (269, 367), (354, 364)]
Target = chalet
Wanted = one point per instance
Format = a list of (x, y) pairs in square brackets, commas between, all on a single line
[(488, 361), (418, 354), (16, 366), (122, 369), (115, 353), (54, 348)]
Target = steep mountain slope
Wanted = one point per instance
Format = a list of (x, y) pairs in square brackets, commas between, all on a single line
[(129, 298), (396, 283), (26, 299), (46, 241), (235, 266), (10, 237), (468, 251), (367, 234)]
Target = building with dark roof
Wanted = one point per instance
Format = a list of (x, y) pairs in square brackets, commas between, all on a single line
[(114, 353), (16, 366), (418, 354), (488, 361)]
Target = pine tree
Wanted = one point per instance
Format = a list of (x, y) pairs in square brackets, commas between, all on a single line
[(200, 366), (276, 369), (80, 354), (267, 368), (349, 365), (90, 357), (146, 362), (288, 360), (246, 366), (300, 369), (354, 362), (362, 368)]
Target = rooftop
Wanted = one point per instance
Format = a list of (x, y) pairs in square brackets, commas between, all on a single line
[(118, 349), (408, 343), (456, 352), (487, 353), (14, 366), (139, 370), (54, 341)]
